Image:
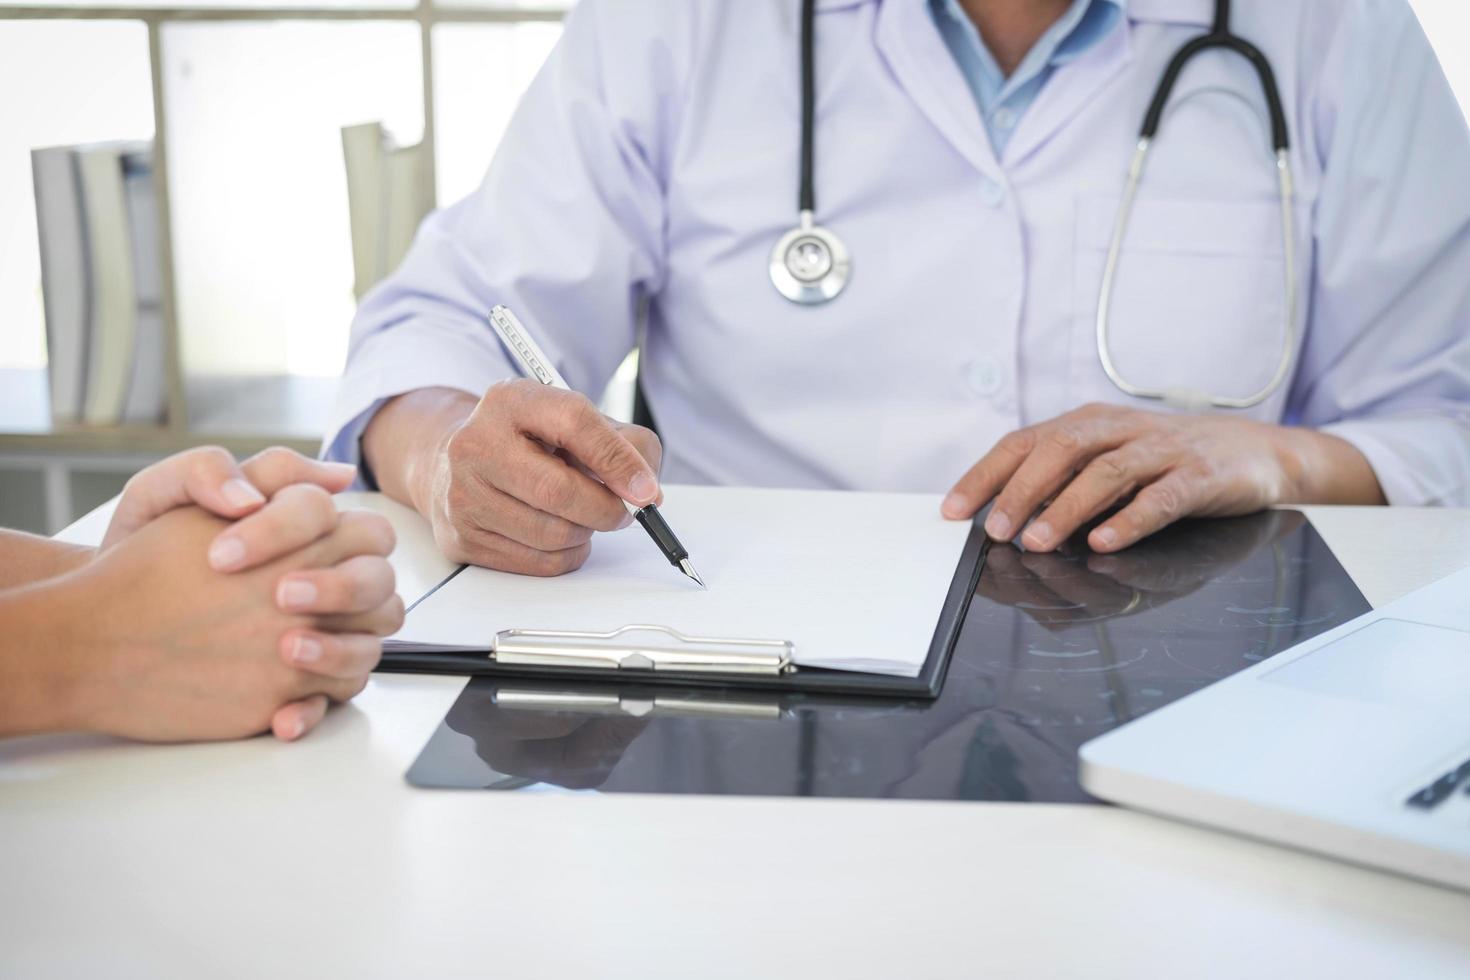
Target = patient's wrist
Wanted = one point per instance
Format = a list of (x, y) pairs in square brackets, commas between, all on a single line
[(30, 558), (48, 660)]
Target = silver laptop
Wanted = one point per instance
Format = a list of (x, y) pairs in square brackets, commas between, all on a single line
[(1354, 744)]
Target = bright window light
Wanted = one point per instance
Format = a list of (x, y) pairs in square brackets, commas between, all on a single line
[(262, 242), (63, 83), (1447, 22), (480, 73)]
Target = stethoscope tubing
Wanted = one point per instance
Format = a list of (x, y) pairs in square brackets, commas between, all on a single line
[(1188, 399), (810, 264), (1219, 37), (806, 200)]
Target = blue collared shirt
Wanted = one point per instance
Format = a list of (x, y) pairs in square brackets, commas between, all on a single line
[(1003, 100)]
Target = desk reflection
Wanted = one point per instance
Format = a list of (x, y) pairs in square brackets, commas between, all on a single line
[(568, 748), (1055, 650)]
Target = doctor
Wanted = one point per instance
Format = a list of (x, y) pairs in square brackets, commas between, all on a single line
[(1306, 312)]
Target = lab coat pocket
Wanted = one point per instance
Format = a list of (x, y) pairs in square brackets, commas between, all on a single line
[(1198, 300)]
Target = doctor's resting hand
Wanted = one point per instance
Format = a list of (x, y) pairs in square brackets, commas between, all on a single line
[(518, 480), (1160, 467), (225, 600)]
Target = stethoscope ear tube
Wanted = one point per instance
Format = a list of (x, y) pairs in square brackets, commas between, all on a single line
[(1188, 399), (1183, 398), (1229, 42)]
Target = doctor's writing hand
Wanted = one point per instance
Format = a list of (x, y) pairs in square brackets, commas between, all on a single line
[(1162, 467), (526, 479)]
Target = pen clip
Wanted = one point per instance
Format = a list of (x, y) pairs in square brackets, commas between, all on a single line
[(517, 340)]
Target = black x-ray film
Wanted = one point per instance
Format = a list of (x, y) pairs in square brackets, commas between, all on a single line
[(1055, 650)]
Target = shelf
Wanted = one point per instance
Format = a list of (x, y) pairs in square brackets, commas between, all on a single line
[(243, 413), (466, 11), (288, 406)]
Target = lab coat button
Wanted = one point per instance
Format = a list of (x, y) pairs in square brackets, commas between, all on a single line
[(991, 192), (986, 376)]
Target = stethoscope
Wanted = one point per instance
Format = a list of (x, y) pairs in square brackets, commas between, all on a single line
[(811, 265)]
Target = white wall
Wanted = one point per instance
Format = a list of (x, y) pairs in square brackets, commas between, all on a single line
[(1447, 22)]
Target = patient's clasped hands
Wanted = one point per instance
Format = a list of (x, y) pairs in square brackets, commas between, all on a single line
[(224, 601)]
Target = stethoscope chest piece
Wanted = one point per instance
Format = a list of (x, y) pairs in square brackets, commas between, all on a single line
[(809, 264)]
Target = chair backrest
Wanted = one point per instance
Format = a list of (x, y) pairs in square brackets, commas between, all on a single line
[(642, 414)]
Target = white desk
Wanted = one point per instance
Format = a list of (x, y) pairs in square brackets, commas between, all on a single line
[(316, 859)]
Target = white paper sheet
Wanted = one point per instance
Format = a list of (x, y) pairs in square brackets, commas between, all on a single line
[(855, 580)]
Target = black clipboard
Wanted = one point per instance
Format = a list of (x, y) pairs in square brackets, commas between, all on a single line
[(813, 680)]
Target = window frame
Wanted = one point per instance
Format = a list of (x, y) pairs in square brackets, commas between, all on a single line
[(425, 14)]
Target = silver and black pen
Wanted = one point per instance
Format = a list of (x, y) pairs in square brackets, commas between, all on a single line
[(534, 364)]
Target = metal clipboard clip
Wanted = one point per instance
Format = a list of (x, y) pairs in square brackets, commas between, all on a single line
[(660, 649), (693, 704)]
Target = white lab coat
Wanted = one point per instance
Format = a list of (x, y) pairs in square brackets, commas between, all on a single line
[(655, 157)]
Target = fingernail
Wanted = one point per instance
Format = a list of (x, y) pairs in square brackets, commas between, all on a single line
[(306, 650), (342, 469), (955, 504), (998, 526), (1107, 536), (241, 494), (626, 521), (226, 553), (643, 488), (295, 594), (298, 729), (1039, 534)]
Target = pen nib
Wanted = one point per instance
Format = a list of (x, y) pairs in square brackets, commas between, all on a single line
[(688, 569)]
